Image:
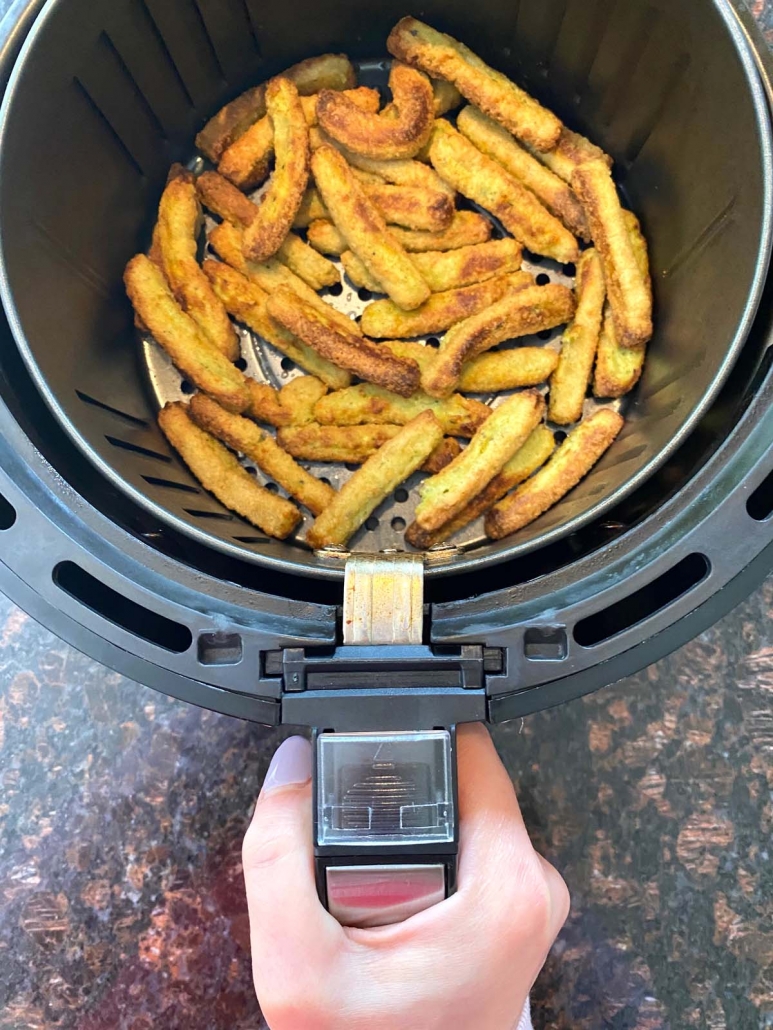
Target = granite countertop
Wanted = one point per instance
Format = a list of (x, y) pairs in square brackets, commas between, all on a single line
[(122, 813)]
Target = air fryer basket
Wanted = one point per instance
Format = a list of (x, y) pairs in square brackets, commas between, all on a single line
[(107, 94)]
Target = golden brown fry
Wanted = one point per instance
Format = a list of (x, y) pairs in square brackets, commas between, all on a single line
[(248, 302), (375, 480), (450, 270), (383, 318), (446, 95), (299, 397), (552, 191), (325, 238), (246, 162), (244, 436), (227, 241), (628, 290), (444, 57), (618, 369), (315, 270), (507, 369), (487, 183), (265, 405), (571, 151), (374, 135), (466, 229), (459, 416), (329, 71), (505, 430), (572, 461), (219, 472), (279, 204), (446, 451), (352, 444), (365, 231), (358, 273), (534, 453), (401, 172), (310, 210), (413, 207), (177, 229), (347, 349), (516, 314), (198, 360), (569, 383)]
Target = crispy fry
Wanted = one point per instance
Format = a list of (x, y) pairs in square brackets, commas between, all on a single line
[(329, 71), (279, 204), (444, 57), (379, 136), (467, 228), (227, 242), (505, 430), (242, 435), (459, 416), (223, 199), (412, 207), (358, 273), (347, 350), (571, 151), (552, 191), (179, 221), (219, 472), (446, 96), (310, 210), (487, 183), (569, 383), (507, 369), (315, 270), (446, 451), (383, 318), (246, 162), (628, 290), (375, 480), (450, 270), (324, 237), (618, 369), (516, 314), (299, 397), (249, 303), (534, 453), (265, 405), (354, 444), (401, 172), (572, 461), (198, 360), (365, 231)]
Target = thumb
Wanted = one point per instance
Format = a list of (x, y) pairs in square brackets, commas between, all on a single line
[(277, 854)]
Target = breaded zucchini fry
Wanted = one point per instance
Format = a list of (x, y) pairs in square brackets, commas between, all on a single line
[(444, 57), (572, 461), (364, 403), (310, 210), (495, 141), (265, 405), (219, 472), (329, 71), (354, 444), (223, 199), (516, 314), (365, 231), (466, 229), (446, 451), (279, 204), (384, 137), (299, 397), (347, 349), (569, 153), (505, 430), (569, 382), (486, 182), (618, 369), (246, 162), (242, 435), (412, 207), (325, 238), (628, 290), (198, 360), (177, 229), (401, 172), (249, 303), (450, 270), (507, 369), (378, 477), (309, 265), (358, 273), (384, 319), (534, 453), (446, 95)]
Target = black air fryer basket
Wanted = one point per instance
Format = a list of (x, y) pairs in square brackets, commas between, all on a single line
[(106, 538)]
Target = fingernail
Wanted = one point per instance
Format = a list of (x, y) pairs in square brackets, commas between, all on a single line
[(291, 764)]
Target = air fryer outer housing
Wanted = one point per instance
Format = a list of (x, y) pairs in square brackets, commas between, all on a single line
[(187, 612)]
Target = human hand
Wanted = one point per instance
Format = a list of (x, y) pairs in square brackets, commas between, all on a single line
[(468, 962)]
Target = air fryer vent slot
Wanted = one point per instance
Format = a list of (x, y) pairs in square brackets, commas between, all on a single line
[(146, 452), (112, 411), (171, 484), (7, 514), (760, 504)]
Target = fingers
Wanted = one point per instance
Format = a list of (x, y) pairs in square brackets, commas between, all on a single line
[(291, 933)]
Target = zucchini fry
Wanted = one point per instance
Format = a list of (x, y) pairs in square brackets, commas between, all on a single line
[(198, 360), (446, 95), (358, 273), (505, 431), (354, 444), (571, 151), (364, 403), (488, 373), (412, 207), (571, 462), (219, 472), (391, 465), (310, 210), (450, 270)]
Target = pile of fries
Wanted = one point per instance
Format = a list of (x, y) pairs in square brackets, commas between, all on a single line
[(375, 190)]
